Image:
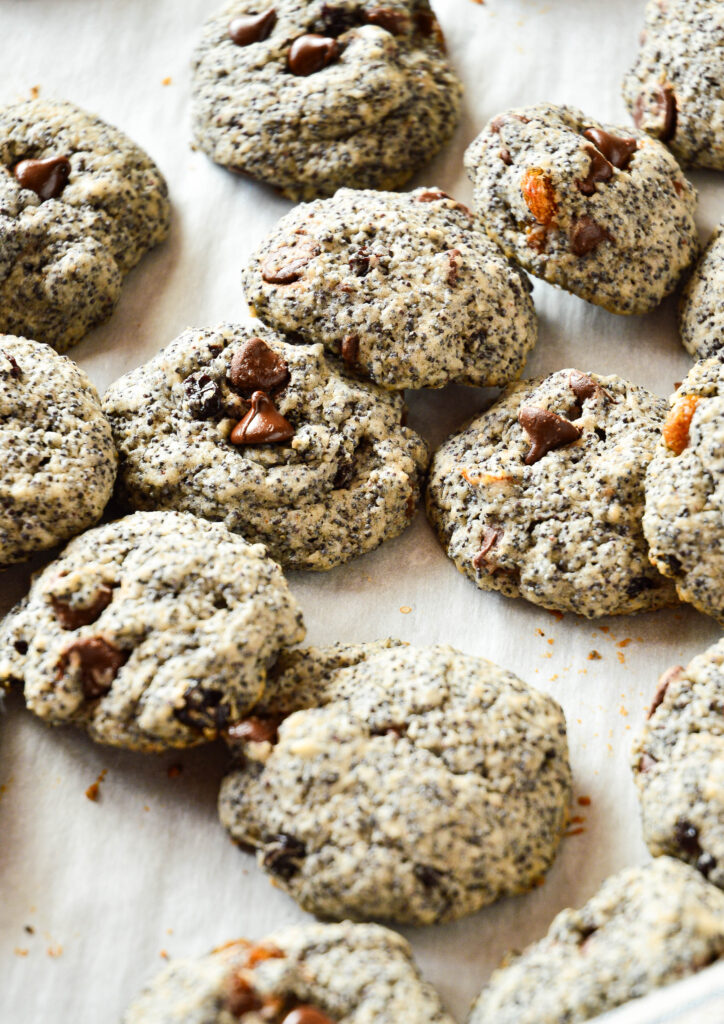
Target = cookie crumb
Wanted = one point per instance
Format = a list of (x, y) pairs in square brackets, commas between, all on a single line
[(556, 615), (54, 951), (166, 81), (163, 954), (594, 656), (29, 929), (20, 952), (405, 609), (584, 801), (34, 91), (94, 790), (574, 832)]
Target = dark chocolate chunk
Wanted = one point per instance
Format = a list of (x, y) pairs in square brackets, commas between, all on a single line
[(686, 836), (285, 266), (670, 676), (73, 617), (491, 536), (98, 662), (599, 170), (394, 22), (585, 387), (47, 178), (546, 430), (617, 151), (585, 235), (309, 54), (203, 709), (256, 367), (263, 424), (202, 395), (362, 261), (282, 855), (350, 349), (252, 28), (664, 109)]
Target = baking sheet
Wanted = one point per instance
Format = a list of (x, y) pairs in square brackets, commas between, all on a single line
[(94, 895)]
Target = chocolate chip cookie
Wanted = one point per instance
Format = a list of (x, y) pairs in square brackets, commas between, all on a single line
[(309, 96), (79, 206), (594, 208), (684, 517), (57, 456), (646, 927), (401, 286), (542, 496), (309, 974), (418, 785), (274, 440), (701, 311), (151, 632), (675, 89)]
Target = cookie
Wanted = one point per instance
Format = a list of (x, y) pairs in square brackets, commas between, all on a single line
[(151, 632), (401, 286), (646, 927), (57, 456), (421, 785), (678, 765), (701, 310), (684, 517), (309, 96), (79, 206), (675, 89), (274, 440), (309, 974), (594, 208), (542, 495)]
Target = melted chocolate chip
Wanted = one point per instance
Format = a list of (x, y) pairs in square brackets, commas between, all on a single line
[(427, 25), (617, 151), (203, 396), (256, 367), (599, 170), (546, 430), (453, 266), (394, 22), (285, 266), (505, 156), (585, 387), (73, 617), (283, 854), (491, 536), (306, 1014), (47, 178), (255, 729), (241, 997), (585, 235), (429, 877), (669, 677), (252, 28), (14, 370), (333, 20), (362, 261), (203, 709), (98, 662), (263, 424), (664, 110), (350, 349), (686, 836), (309, 54)]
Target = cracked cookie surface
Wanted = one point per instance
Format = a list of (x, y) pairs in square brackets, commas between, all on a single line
[(701, 310)]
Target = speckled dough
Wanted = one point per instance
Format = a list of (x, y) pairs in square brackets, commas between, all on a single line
[(701, 310), (564, 532), (62, 260), (351, 973), (684, 517), (678, 765), (621, 239), (420, 295), (369, 119), (424, 785), (675, 91), (646, 927), (187, 617), (57, 457), (347, 480)]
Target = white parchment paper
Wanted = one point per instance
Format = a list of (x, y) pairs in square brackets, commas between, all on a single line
[(93, 896)]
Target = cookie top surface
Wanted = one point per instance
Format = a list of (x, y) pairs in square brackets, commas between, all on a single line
[(402, 286), (646, 927), (542, 495), (425, 784), (701, 311), (309, 96), (152, 632), (80, 203), (339, 973), (684, 518), (675, 89), (600, 210), (322, 470), (57, 457)]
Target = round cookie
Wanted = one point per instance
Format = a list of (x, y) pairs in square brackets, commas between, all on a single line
[(646, 927), (79, 206), (542, 496), (701, 310), (676, 88), (593, 208), (401, 286), (57, 456), (275, 440), (423, 785), (309, 96), (309, 974), (684, 517), (152, 632), (678, 765)]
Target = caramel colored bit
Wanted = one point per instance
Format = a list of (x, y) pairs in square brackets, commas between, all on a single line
[(678, 422), (94, 790), (312, 53), (546, 430), (252, 28), (286, 265), (536, 238), (257, 955), (263, 424), (539, 195), (47, 178), (484, 479)]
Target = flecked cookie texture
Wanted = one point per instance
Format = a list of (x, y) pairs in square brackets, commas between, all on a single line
[(646, 927), (678, 765), (57, 457), (421, 786), (542, 496), (593, 208), (311, 974), (152, 632), (402, 286), (701, 311), (676, 88), (274, 440), (684, 517), (79, 206), (310, 96)]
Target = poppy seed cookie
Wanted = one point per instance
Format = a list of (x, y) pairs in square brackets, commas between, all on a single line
[(309, 974), (274, 440), (79, 206), (593, 208), (309, 96), (402, 286), (542, 496), (152, 632), (422, 785), (646, 927), (701, 310), (684, 517)]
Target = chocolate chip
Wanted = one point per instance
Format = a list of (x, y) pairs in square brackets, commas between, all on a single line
[(256, 367), (252, 28), (505, 156), (617, 151), (706, 864), (454, 266), (646, 762), (394, 22), (47, 178), (285, 266), (311, 53), (73, 617), (585, 235), (669, 677), (14, 370), (362, 261), (203, 396), (203, 709), (599, 170), (306, 1014), (546, 430), (638, 584), (491, 536), (98, 662), (333, 21), (255, 729), (241, 997), (585, 387), (686, 836), (429, 877), (263, 424), (282, 855), (427, 25), (350, 349), (663, 110)]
